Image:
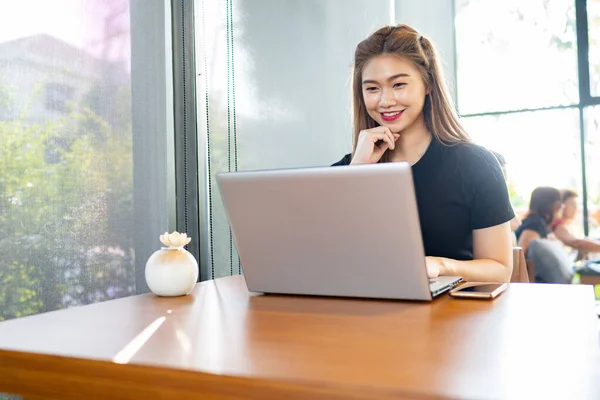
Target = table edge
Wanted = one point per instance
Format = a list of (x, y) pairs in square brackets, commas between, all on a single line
[(32, 374)]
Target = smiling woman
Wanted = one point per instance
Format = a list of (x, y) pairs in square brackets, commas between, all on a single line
[(403, 113)]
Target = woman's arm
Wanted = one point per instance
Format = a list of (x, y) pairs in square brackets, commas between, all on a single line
[(527, 236), (515, 223), (492, 257), (563, 234)]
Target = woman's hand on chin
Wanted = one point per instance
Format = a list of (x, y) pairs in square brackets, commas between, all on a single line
[(372, 143)]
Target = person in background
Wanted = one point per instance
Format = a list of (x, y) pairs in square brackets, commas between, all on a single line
[(561, 230), (516, 221), (544, 206), (403, 113)]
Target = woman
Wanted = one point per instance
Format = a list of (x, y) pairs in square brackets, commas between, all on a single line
[(402, 112), (561, 230), (544, 205)]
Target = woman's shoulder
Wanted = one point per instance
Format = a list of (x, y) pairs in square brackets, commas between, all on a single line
[(532, 219), (535, 222), (346, 160), (473, 153), (475, 163)]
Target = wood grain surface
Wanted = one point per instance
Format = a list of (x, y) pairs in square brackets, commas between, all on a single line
[(534, 341)]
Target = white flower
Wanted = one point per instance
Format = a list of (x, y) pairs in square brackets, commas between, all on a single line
[(175, 240)]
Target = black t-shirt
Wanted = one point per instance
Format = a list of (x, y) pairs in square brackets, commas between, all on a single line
[(458, 188), (535, 223)]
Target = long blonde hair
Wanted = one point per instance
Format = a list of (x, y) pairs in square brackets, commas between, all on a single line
[(440, 116)]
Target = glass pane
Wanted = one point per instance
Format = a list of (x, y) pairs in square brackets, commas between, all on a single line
[(593, 10), (274, 100), (66, 188), (541, 149), (515, 54), (592, 159)]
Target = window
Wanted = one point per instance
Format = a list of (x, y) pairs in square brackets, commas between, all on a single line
[(66, 225), (593, 11), (592, 158), (57, 96), (74, 212), (515, 54), (521, 93), (5, 100)]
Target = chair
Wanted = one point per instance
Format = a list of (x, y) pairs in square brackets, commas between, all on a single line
[(522, 272), (530, 270)]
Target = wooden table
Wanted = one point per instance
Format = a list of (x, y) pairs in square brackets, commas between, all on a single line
[(533, 342)]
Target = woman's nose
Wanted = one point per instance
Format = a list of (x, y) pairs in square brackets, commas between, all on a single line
[(386, 99)]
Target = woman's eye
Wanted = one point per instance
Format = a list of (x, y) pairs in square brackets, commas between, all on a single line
[(371, 89), (399, 85)]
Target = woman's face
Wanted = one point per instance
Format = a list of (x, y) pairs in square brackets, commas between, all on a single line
[(558, 205), (570, 208), (393, 91)]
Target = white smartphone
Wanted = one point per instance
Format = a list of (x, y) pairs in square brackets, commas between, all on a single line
[(479, 290)]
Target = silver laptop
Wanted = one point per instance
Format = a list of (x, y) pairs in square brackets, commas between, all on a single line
[(330, 231)]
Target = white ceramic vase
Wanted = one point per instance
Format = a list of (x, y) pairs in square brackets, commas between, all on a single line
[(171, 271)]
